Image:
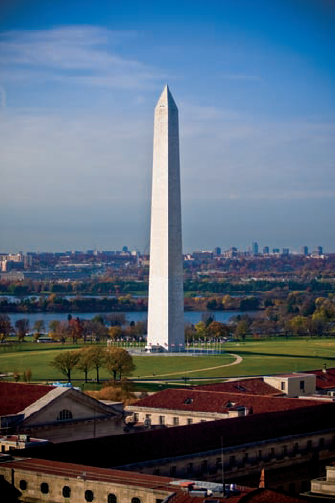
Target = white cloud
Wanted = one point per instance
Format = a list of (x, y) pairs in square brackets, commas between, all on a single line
[(83, 54)]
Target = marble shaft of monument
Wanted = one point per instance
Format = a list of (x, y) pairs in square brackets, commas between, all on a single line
[(166, 296)]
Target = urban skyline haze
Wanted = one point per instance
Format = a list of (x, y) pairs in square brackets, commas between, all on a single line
[(254, 83)]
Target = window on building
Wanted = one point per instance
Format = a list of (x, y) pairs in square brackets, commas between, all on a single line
[(309, 444), (282, 385), (296, 448), (204, 466), (291, 488), (189, 468), (246, 458), (64, 415), (302, 385), (232, 460), (284, 450), (89, 496), (136, 417), (189, 420), (305, 486), (3, 448), (156, 471), (218, 463), (112, 498), (161, 419), (272, 452), (321, 443), (44, 488), (135, 500), (23, 484), (188, 401), (176, 421), (173, 471), (66, 491), (259, 455)]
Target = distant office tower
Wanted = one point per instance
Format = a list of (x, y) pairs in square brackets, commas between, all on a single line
[(254, 248), (286, 251), (266, 250), (166, 296), (304, 250), (217, 250), (275, 250), (319, 250)]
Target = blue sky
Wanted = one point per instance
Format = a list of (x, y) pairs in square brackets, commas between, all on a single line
[(254, 83)]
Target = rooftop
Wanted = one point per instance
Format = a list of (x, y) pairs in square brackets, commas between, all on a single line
[(253, 386), (16, 397), (196, 400)]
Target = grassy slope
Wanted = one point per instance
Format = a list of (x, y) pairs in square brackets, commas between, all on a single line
[(259, 357)]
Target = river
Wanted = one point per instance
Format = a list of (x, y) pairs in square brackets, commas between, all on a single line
[(189, 316)]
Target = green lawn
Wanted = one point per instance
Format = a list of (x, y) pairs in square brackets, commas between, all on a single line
[(258, 357)]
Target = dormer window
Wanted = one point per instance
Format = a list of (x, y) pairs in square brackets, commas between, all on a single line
[(241, 388), (188, 401), (229, 404)]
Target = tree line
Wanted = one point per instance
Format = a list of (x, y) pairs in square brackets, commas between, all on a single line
[(117, 361)]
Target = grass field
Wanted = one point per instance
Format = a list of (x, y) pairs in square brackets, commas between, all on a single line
[(258, 357)]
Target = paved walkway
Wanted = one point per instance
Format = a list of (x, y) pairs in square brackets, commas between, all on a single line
[(238, 360)]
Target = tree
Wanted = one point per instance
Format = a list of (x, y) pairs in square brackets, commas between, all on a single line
[(85, 361), (59, 330), (5, 327), (241, 329), (22, 328), (66, 361), (115, 332), (217, 329), (119, 362), (97, 355), (38, 327), (75, 329)]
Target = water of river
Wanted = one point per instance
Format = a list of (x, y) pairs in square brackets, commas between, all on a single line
[(189, 316)]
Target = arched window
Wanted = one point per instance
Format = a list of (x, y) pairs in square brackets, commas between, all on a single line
[(112, 498), (23, 485), (89, 496), (44, 488), (63, 415), (66, 491), (135, 500)]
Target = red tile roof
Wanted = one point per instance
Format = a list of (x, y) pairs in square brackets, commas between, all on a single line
[(324, 380), (210, 401), (254, 386), (15, 397), (269, 496)]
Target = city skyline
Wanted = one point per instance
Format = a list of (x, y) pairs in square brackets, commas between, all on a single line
[(255, 86)]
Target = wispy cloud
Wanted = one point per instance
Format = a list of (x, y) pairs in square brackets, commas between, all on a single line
[(242, 77), (84, 54)]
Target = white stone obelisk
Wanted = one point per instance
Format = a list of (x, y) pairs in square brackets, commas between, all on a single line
[(166, 295)]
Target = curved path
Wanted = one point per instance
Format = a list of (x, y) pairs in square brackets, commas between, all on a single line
[(236, 362)]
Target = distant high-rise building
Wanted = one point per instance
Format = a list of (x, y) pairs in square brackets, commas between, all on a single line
[(217, 250), (319, 250), (275, 250), (286, 251), (254, 248), (304, 250), (266, 250)]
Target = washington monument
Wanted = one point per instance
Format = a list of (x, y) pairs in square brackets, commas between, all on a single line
[(166, 296)]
